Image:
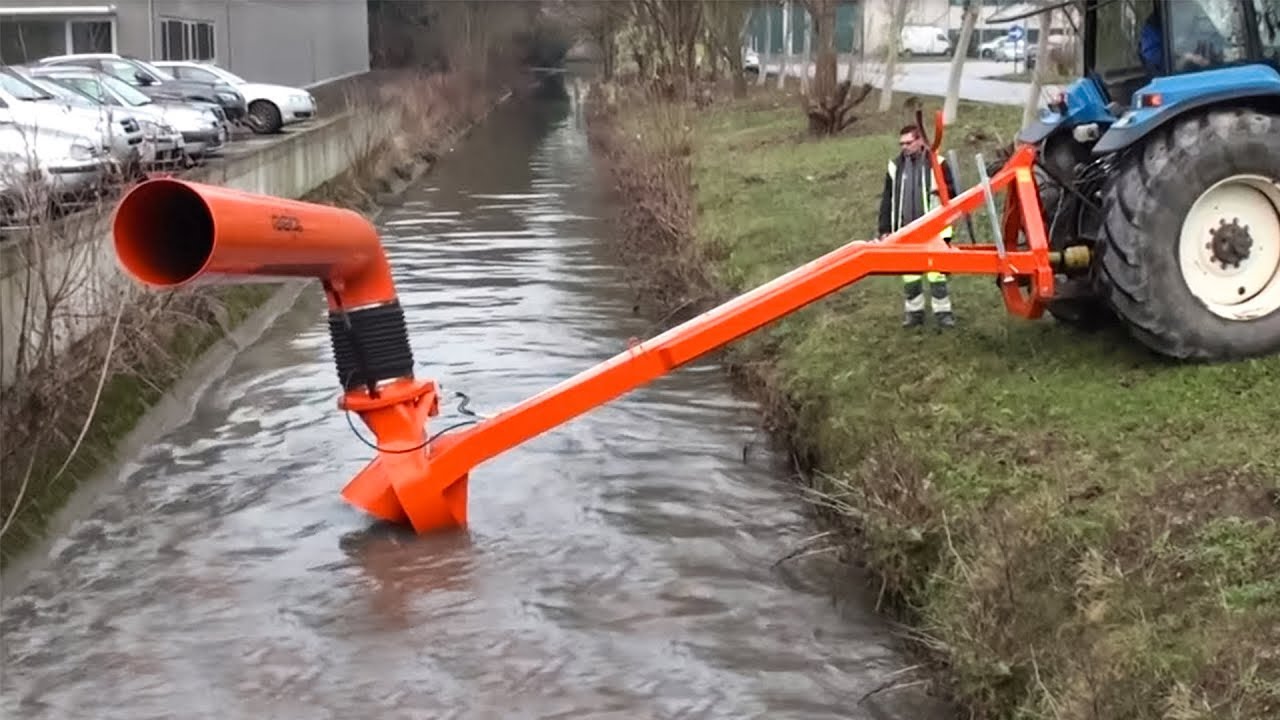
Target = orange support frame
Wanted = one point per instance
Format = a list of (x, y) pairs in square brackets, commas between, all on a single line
[(424, 481)]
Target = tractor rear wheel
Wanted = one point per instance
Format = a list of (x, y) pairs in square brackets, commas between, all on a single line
[(1191, 254)]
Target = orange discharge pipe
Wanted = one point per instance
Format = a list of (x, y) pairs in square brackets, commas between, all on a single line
[(171, 232)]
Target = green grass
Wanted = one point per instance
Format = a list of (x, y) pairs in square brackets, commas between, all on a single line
[(1081, 529)]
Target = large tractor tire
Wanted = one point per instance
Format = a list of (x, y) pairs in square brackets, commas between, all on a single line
[(1191, 253)]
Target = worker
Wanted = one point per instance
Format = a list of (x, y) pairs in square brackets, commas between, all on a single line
[(1151, 47), (909, 192)]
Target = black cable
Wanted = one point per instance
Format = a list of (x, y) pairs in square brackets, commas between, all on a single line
[(416, 448)]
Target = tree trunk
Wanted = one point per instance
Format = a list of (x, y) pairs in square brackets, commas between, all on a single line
[(853, 55), (897, 17), (766, 53), (971, 10), (1042, 60), (786, 44), (805, 64), (824, 22)]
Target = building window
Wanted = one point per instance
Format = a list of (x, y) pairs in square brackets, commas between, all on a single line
[(29, 39), (187, 40)]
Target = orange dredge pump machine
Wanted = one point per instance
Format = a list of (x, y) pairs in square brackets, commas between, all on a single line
[(171, 233)]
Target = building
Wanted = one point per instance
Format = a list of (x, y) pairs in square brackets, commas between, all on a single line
[(290, 42), (862, 25)]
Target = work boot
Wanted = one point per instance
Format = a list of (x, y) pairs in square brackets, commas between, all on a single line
[(945, 319), (913, 319)]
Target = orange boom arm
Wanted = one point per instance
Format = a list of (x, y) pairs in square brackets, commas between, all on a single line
[(169, 233)]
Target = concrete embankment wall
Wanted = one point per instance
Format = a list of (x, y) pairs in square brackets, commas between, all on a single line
[(74, 263)]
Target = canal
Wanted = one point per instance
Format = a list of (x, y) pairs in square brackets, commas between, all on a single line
[(624, 565)]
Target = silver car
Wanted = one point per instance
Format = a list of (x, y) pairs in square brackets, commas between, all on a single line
[(124, 137), (40, 166), (199, 127)]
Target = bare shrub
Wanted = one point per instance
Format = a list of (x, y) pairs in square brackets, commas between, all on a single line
[(650, 158)]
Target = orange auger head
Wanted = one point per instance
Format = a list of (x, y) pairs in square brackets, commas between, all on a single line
[(170, 233)]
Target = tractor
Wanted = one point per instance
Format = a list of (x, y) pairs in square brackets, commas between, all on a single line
[(1163, 161)]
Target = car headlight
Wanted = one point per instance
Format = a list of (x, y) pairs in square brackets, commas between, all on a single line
[(82, 149), (209, 117), (228, 98), (301, 99)]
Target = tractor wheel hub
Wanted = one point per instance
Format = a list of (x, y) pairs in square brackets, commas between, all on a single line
[(1229, 243), (1229, 247)]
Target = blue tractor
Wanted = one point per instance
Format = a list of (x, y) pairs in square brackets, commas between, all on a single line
[(1164, 160)]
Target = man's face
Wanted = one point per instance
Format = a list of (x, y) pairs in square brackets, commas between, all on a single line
[(911, 143)]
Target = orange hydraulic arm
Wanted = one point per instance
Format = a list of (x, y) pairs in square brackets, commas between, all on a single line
[(170, 232)]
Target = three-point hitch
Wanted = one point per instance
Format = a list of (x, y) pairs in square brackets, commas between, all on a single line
[(171, 233)]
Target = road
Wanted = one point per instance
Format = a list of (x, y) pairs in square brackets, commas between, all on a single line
[(930, 78)]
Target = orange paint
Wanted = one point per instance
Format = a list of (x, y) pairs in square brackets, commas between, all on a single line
[(171, 234)]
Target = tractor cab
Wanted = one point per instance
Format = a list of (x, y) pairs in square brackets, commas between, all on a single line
[(1143, 57)]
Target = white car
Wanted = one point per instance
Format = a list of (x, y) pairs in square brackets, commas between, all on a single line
[(40, 165), (130, 145), (28, 106), (199, 129), (271, 107)]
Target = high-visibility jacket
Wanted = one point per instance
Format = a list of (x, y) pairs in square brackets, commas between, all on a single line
[(891, 195)]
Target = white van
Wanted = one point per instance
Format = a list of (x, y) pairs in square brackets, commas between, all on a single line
[(924, 40)]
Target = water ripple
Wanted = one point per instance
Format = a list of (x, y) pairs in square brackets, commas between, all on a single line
[(619, 566)]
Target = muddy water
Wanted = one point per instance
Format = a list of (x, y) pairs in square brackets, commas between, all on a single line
[(620, 566)]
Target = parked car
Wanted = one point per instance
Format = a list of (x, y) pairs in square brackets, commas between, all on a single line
[(27, 106), (42, 165), (1010, 50), (162, 144), (201, 130), (158, 84), (121, 135), (271, 107)]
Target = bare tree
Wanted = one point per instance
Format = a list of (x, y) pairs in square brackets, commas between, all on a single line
[(786, 44), (1043, 56), (600, 21), (806, 48), (672, 29), (829, 106), (971, 10), (766, 53), (897, 17), (726, 25)]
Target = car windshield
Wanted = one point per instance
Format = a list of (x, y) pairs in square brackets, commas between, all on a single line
[(21, 89), (154, 70), (227, 75), (126, 92), (57, 90)]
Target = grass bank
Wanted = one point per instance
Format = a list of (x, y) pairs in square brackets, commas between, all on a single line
[(1073, 528), (64, 418)]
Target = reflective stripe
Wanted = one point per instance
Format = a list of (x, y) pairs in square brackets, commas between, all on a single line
[(927, 182)]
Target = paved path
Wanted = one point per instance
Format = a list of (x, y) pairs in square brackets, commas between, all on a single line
[(930, 78)]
